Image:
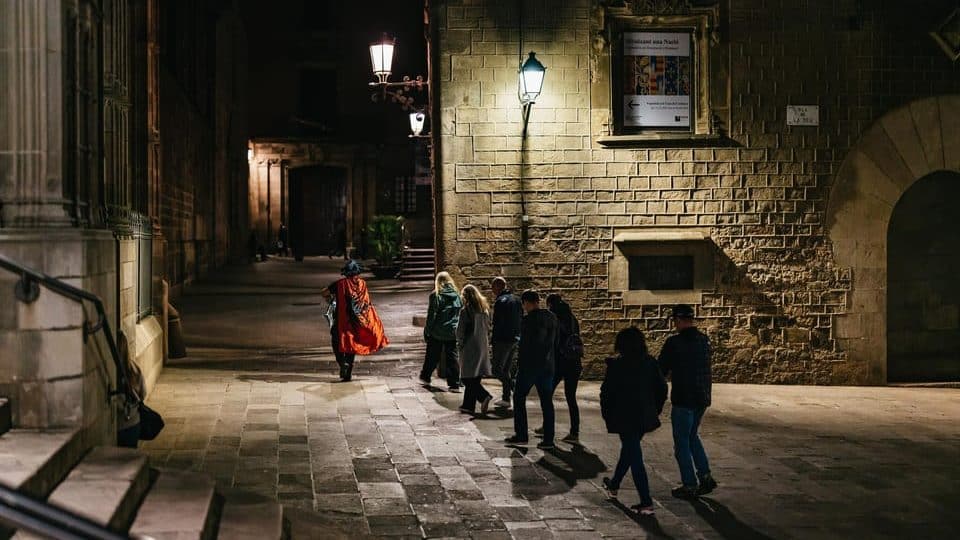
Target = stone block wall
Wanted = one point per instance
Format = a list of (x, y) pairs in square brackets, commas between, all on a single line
[(53, 376), (761, 190)]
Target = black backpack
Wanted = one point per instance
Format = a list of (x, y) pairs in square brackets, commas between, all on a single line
[(572, 348)]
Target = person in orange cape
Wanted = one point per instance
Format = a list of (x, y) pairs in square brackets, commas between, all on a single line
[(355, 327)]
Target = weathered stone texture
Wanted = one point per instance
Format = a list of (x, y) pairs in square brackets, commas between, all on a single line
[(763, 193)]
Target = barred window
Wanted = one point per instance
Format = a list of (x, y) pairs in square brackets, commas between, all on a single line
[(405, 195)]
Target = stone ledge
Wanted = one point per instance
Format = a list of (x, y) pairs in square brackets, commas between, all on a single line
[(664, 140)]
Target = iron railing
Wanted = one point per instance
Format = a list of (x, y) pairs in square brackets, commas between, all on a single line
[(44, 519), (27, 290)]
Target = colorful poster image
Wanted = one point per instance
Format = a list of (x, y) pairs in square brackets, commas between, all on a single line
[(656, 78)]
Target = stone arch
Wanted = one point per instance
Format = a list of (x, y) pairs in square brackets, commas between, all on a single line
[(901, 147)]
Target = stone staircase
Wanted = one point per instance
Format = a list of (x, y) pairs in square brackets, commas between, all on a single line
[(116, 488), (417, 264)]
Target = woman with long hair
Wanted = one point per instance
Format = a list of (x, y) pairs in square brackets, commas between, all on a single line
[(440, 332), (568, 355), (128, 421), (631, 399), (473, 330)]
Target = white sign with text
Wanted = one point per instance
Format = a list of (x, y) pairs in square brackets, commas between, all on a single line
[(803, 115)]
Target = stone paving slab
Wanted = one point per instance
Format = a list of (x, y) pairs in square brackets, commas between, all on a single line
[(383, 456)]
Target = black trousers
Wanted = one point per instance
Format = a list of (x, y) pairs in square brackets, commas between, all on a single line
[(447, 350), (570, 381), (545, 386), (473, 391), (343, 359)]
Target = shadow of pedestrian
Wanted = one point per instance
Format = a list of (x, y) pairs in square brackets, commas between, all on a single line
[(722, 520), (649, 523), (581, 464)]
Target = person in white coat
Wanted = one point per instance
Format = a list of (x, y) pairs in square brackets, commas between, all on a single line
[(473, 330)]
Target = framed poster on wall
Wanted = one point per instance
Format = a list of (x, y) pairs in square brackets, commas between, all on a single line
[(656, 76)]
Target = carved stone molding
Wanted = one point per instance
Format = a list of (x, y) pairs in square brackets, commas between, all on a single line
[(660, 7)]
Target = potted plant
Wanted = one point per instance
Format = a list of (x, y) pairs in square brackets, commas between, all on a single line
[(384, 238)]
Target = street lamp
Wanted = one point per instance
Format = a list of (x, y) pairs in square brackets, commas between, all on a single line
[(381, 60), (416, 122), (530, 84)]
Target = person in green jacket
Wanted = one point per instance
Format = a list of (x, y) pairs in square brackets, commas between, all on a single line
[(440, 332)]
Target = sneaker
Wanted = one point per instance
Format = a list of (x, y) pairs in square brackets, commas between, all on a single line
[(546, 445), (684, 492), (485, 404), (502, 404), (513, 439), (454, 388), (425, 379), (538, 431), (611, 491), (571, 437), (644, 509), (466, 410), (707, 484)]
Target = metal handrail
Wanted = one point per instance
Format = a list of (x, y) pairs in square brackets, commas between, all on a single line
[(25, 513), (27, 291)]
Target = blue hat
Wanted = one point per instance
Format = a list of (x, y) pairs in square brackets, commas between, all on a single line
[(350, 269)]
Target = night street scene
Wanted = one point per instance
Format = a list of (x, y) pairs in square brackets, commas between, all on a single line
[(479, 269)]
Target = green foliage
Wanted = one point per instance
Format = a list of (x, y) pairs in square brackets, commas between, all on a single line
[(384, 235)]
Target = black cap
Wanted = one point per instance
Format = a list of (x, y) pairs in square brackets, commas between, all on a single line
[(682, 311), (351, 269)]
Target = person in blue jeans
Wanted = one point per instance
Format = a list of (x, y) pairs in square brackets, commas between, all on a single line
[(631, 400), (685, 357), (536, 366)]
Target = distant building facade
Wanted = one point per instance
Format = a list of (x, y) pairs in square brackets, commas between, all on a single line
[(788, 168)]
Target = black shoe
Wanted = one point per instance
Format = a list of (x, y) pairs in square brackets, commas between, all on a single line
[(684, 492), (343, 372), (513, 439), (571, 437), (425, 379), (707, 484), (453, 388), (608, 487), (538, 431), (546, 445), (485, 405)]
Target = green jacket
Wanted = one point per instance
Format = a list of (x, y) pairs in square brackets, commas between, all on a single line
[(443, 315)]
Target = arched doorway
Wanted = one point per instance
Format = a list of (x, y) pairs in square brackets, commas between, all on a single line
[(913, 142), (923, 267)]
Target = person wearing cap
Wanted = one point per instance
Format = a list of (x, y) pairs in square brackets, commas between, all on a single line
[(355, 327), (685, 358)]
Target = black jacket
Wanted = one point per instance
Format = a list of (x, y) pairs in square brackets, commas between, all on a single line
[(538, 343), (507, 313), (632, 395), (686, 358), (567, 325)]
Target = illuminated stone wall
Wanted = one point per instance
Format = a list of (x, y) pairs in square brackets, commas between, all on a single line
[(784, 304)]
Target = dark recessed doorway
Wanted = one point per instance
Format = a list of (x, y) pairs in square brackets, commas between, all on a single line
[(318, 211)]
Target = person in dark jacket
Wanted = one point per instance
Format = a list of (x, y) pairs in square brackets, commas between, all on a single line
[(507, 313), (631, 400), (440, 332), (538, 342), (685, 357), (568, 356)]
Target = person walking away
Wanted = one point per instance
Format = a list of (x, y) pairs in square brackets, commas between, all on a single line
[(685, 357), (631, 400), (283, 240), (356, 328), (507, 313), (473, 330), (568, 356), (128, 421), (440, 332), (538, 342)]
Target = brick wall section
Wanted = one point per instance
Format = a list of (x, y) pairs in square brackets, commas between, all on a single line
[(762, 194)]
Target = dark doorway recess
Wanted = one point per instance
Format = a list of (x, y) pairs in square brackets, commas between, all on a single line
[(923, 265), (318, 211)]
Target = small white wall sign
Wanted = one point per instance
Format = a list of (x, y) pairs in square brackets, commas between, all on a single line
[(803, 115)]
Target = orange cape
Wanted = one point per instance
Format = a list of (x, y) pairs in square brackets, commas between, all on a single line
[(359, 328)]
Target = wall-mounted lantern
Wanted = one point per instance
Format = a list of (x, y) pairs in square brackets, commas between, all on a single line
[(530, 84), (381, 57), (416, 123), (381, 60)]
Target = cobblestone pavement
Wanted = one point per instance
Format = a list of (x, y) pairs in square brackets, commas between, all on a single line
[(384, 456)]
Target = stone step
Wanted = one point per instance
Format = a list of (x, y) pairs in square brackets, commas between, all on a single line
[(181, 505), (106, 487), (416, 276), (6, 420), (253, 521), (419, 250), (33, 462), (418, 257)]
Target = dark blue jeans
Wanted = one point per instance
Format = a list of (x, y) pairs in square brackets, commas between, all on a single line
[(544, 384), (687, 447), (631, 457)]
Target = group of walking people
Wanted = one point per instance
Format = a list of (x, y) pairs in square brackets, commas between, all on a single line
[(527, 346)]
